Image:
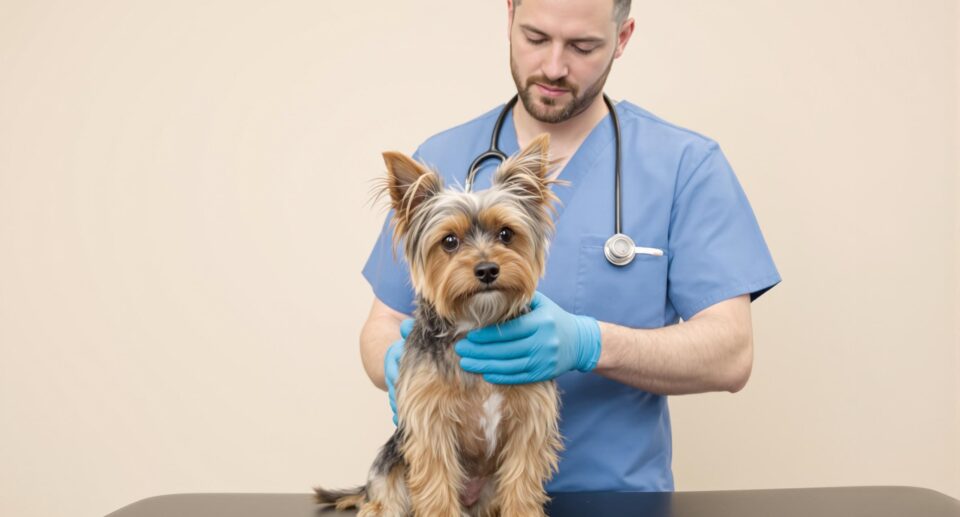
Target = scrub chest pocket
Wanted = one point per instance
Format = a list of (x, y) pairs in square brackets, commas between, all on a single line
[(634, 295)]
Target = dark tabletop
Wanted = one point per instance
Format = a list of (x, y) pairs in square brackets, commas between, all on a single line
[(792, 502)]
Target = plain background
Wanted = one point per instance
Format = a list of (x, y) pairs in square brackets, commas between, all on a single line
[(184, 214)]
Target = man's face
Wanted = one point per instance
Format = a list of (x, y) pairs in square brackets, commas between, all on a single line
[(560, 54)]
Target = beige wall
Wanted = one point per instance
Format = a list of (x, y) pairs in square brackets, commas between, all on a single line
[(183, 220)]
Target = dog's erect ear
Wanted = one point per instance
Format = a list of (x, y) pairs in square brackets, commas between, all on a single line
[(527, 172), (409, 183)]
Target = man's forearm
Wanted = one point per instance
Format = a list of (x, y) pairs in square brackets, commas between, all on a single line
[(377, 335), (713, 351)]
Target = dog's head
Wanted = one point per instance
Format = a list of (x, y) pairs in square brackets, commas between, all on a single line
[(475, 256)]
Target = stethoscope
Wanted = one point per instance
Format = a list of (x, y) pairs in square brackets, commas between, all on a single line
[(619, 248)]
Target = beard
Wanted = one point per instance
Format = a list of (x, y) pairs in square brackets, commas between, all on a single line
[(549, 110)]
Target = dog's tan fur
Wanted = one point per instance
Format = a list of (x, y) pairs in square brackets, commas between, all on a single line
[(443, 411)]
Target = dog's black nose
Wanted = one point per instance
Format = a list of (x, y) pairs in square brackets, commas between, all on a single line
[(486, 272)]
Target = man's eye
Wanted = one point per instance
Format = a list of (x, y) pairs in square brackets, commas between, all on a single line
[(581, 50), (534, 41), (450, 243)]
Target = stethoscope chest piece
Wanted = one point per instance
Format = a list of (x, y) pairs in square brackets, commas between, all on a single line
[(619, 249)]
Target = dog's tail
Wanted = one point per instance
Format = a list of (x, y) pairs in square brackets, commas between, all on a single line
[(342, 499)]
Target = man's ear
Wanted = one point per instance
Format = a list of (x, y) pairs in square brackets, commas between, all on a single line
[(409, 183), (623, 36)]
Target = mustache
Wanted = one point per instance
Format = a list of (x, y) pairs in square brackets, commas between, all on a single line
[(559, 84)]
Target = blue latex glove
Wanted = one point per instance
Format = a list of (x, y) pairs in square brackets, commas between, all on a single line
[(391, 364), (536, 346)]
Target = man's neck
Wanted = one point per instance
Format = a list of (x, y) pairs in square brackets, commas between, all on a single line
[(566, 136)]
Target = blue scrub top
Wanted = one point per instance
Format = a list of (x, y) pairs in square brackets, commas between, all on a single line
[(679, 195)]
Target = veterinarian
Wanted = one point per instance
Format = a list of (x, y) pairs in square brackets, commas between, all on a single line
[(607, 333)]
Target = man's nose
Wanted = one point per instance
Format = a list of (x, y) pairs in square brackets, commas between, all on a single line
[(555, 67)]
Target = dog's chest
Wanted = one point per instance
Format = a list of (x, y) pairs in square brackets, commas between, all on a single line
[(490, 420), (480, 434)]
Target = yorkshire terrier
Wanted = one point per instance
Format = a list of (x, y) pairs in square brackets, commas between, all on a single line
[(464, 446)]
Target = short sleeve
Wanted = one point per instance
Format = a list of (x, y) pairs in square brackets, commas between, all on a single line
[(387, 271), (716, 249)]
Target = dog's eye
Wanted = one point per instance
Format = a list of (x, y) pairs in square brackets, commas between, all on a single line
[(450, 242), (506, 235)]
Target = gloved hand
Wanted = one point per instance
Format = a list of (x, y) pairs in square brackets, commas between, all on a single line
[(391, 363), (536, 346)]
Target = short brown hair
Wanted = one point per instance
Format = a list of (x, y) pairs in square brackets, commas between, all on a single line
[(621, 9)]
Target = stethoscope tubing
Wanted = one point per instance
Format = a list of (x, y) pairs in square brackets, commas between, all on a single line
[(493, 152), (619, 248)]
